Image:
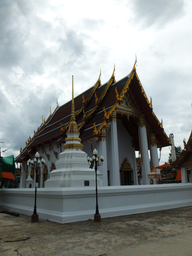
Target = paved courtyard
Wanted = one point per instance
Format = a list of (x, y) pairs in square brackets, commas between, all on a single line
[(138, 234)]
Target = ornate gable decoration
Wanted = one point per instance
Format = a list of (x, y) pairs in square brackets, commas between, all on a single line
[(126, 166), (128, 101)]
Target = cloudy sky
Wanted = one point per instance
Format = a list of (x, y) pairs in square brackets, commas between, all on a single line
[(43, 43)]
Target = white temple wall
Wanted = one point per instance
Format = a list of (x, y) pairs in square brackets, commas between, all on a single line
[(74, 204), (126, 149)]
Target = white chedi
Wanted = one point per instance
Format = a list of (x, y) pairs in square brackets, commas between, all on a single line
[(72, 168)]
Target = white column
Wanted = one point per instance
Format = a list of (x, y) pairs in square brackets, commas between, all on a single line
[(114, 172), (144, 150), (183, 175), (173, 151), (135, 178), (103, 152), (29, 172), (23, 175), (154, 154)]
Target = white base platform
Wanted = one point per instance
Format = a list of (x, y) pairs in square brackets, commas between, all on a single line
[(72, 170), (75, 204)]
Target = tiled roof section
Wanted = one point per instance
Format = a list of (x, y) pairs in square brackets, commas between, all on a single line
[(94, 108), (110, 102), (185, 158), (96, 101), (60, 118), (147, 110)]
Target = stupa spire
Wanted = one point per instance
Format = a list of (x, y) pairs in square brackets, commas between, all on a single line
[(73, 104), (73, 141), (72, 168)]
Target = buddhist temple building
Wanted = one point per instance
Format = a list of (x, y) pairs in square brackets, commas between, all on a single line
[(116, 118), (184, 161)]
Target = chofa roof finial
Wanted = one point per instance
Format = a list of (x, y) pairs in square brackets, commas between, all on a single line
[(134, 66)]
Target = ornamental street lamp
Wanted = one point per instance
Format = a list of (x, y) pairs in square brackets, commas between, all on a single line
[(94, 162), (36, 161)]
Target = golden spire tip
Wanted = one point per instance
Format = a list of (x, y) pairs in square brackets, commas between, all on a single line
[(134, 66), (73, 104)]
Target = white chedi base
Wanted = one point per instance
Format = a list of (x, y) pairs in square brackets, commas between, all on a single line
[(72, 170), (29, 183)]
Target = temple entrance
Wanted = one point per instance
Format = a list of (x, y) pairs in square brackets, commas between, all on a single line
[(126, 173)]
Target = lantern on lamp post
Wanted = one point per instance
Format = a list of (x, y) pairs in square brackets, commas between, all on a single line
[(94, 162), (36, 162)]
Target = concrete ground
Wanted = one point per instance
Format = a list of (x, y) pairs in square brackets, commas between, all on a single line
[(164, 233)]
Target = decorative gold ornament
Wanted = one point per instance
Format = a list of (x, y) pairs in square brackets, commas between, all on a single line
[(161, 122), (99, 78), (105, 112), (72, 139), (95, 131), (73, 145), (117, 94), (103, 134), (150, 104), (96, 98), (142, 121), (83, 99), (84, 115), (113, 74), (153, 140), (52, 167), (114, 116), (134, 66)]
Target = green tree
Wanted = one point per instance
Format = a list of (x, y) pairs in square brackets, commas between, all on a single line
[(178, 152)]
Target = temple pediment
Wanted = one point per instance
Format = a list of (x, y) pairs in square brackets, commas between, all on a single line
[(128, 101)]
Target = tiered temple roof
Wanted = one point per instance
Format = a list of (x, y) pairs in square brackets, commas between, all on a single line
[(93, 111), (185, 158)]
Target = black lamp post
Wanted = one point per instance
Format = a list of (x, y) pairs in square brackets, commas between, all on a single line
[(36, 161), (94, 161)]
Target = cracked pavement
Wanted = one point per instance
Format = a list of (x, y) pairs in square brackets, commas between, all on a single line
[(18, 236)]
